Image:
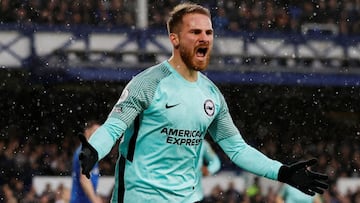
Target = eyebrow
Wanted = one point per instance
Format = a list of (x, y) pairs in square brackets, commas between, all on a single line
[(200, 30)]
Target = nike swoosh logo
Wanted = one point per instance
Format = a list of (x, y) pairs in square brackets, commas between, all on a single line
[(170, 106)]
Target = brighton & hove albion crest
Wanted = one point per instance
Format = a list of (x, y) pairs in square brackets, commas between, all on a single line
[(209, 107)]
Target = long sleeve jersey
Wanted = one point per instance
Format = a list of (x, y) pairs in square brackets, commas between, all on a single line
[(163, 119)]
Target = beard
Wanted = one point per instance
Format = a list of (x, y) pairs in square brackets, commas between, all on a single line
[(188, 56)]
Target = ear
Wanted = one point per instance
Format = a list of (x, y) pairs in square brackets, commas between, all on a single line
[(174, 39)]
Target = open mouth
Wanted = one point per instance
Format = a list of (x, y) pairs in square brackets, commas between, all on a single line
[(201, 52)]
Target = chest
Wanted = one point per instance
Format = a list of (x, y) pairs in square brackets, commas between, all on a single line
[(186, 106)]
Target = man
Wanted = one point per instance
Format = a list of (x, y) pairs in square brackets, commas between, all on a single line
[(165, 112), (83, 189)]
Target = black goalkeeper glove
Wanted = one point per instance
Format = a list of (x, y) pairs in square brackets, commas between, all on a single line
[(88, 156), (298, 176)]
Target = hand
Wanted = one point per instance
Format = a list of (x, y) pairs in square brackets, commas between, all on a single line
[(300, 177), (97, 200), (88, 156)]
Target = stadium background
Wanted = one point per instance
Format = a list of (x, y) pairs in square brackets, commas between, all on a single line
[(290, 106)]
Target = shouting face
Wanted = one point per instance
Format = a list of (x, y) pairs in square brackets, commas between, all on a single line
[(195, 41)]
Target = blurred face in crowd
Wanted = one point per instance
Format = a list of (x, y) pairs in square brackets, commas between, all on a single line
[(194, 41)]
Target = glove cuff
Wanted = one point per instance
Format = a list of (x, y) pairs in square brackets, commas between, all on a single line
[(94, 154), (283, 174)]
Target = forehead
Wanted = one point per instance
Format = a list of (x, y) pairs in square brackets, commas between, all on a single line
[(197, 21)]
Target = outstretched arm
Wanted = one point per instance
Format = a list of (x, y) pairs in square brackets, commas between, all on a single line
[(297, 175), (248, 158)]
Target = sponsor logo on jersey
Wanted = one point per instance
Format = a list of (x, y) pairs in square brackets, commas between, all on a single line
[(182, 137), (170, 106), (209, 107)]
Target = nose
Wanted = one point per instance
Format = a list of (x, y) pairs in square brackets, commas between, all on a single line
[(205, 38), (204, 42)]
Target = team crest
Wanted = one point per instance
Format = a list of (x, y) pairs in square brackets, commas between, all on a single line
[(209, 107)]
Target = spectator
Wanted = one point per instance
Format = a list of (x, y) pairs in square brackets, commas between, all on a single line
[(6, 10), (232, 194), (254, 191), (84, 188), (216, 195), (8, 194), (227, 15), (220, 20)]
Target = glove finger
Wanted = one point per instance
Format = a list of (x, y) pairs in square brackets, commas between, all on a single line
[(320, 184), (86, 173), (85, 169), (316, 175), (307, 191), (303, 164), (318, 190), (82, 155)]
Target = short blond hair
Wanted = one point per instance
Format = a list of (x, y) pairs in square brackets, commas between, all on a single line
[(176, 15)]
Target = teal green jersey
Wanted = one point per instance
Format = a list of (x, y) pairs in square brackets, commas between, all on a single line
[(163, 119), (209, 157)]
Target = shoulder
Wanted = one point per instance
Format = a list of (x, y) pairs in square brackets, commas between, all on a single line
[(145, 83), (152, 75), (208, 83), (212, 88)]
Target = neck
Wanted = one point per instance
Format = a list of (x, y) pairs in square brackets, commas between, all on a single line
[(187, 73)]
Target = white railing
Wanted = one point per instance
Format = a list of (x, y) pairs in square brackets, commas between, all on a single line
[(65, 47)]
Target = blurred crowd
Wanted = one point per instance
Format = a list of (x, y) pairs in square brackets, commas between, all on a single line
[(22, 158), (228, 15)]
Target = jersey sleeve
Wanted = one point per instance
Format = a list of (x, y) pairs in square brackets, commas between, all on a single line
[(222, 126), (106, 135), (248, 158), (226, 134), (135, 97)]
